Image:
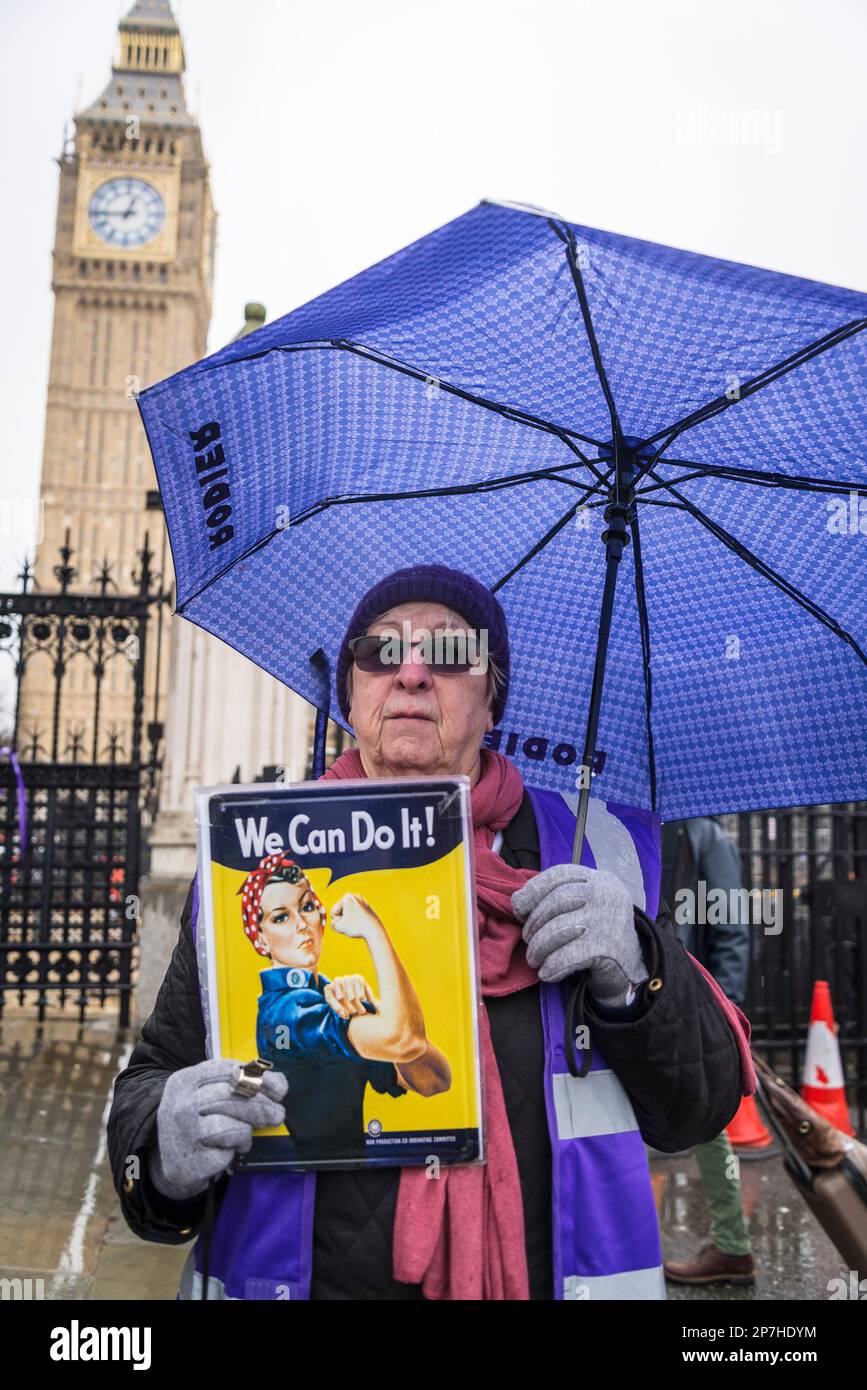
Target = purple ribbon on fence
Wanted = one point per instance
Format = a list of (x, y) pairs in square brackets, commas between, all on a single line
[(22, 797)]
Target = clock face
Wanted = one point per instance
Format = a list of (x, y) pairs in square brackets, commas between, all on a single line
[(126, 212)]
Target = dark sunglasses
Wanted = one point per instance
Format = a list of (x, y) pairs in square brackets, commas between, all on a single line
[(449, 654)]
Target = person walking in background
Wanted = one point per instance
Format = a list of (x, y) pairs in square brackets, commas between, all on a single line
[(696, 851)]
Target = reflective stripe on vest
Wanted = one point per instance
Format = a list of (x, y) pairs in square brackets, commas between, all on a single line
[(638, 1284), (606, 1232)]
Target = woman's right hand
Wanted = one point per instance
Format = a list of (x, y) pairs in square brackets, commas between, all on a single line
[(202, 1124), (352, 915)]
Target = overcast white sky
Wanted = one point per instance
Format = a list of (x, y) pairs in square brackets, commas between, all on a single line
[(339, 130)]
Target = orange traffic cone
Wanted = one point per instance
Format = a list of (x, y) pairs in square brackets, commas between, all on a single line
[(823, 1085), (746, 1130)]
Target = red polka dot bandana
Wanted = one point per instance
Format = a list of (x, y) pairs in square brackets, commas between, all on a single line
[(253, 887)]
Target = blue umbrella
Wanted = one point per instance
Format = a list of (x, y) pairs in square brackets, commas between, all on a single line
[(655, 458)]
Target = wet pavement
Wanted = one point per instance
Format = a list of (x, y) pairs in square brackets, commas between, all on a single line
[(60, 1221), (793, 1257)]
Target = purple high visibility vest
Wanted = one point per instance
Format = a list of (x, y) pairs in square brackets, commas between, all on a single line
[(605, 1231)]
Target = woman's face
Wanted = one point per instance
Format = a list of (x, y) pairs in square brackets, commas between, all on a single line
[(291, 926), (412, 721)]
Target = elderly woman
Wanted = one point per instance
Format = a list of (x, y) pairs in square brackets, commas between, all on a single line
[(563, 1207)]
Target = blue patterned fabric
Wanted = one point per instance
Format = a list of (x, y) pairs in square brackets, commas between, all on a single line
[(396, 382)]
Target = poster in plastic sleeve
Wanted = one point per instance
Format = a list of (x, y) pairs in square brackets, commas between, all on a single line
[(337, 941)]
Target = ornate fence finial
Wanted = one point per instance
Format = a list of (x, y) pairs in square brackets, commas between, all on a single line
[(65, 573)]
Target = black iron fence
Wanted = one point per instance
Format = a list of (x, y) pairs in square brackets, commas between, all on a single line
[(69, 905), (815, 858)]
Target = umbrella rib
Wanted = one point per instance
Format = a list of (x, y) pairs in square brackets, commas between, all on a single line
[(798, 482), (509, 412), (543, 541), (756, 383), (656, 502), (644, 625), (567, 236), (455, 490), (458, 489), (791, 590), (598, 473)]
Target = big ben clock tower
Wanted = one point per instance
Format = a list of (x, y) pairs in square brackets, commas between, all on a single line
[(132, 278), (133, 271)]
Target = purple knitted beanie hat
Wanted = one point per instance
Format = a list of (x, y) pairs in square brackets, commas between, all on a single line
[(432, 584)]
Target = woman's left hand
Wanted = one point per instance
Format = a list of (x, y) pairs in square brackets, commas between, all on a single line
[(576, 918), (345, 995)]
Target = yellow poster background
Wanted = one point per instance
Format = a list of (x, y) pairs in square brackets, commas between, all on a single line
[(434, 950)]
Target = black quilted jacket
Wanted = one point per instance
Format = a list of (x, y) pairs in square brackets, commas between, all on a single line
[(674, 1054)]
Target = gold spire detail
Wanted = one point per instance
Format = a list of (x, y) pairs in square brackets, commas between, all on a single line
[(150, 40)]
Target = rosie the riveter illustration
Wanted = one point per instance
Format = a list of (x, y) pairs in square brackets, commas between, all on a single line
[(332, 1037)]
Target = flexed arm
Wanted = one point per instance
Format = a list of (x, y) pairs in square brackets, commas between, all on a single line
[(349, 996), (396, 1032)]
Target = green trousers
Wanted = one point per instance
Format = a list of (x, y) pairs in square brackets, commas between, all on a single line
[(718, 1167)]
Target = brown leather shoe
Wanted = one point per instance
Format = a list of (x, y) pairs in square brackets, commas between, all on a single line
[(711, 1266)]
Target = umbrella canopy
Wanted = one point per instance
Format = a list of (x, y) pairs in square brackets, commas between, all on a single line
[(480, 399)]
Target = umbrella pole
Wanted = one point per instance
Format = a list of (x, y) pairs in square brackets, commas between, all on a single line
[(319, 662), (319, 744), (616, 536)]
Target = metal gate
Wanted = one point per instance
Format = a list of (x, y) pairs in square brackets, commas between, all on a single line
[(816, 857), (69, 905)]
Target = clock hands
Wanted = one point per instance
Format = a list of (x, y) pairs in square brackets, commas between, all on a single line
[(139, 208), (106, 212)]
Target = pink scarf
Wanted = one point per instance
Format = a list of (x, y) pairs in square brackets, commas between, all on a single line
[(461, 1236)]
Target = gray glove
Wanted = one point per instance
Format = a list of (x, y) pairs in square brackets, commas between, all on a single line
[(201, 1124), (577, 918)]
